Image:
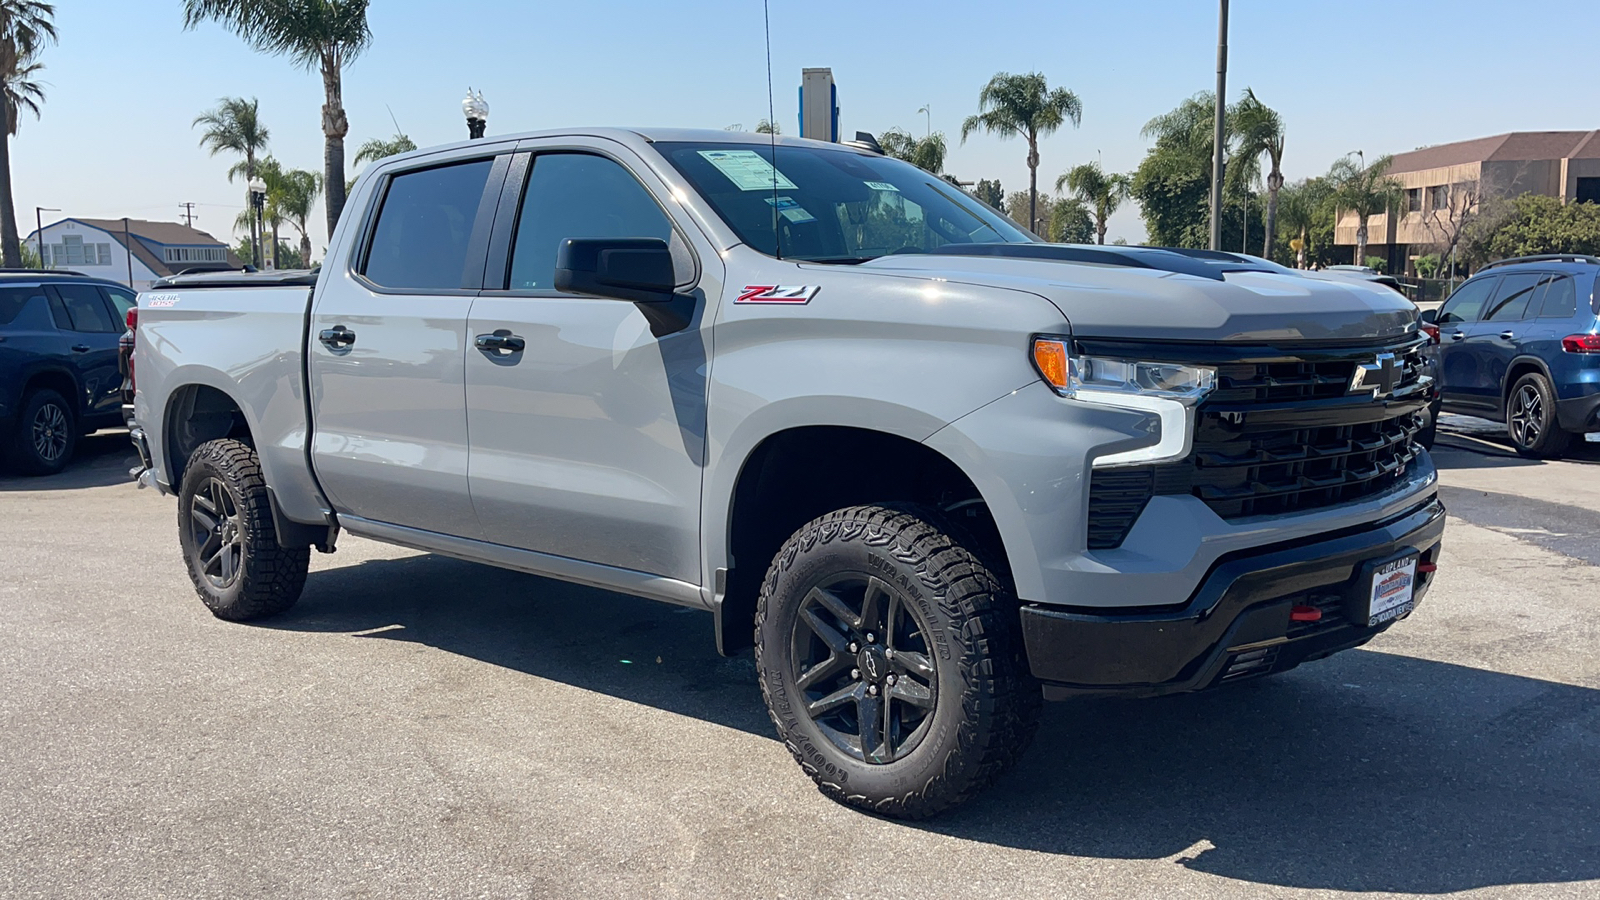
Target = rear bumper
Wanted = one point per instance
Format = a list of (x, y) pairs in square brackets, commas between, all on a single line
[(1237, 624), (1579, 414)]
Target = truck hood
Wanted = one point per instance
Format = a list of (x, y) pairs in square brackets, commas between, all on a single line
[(1113, 301)]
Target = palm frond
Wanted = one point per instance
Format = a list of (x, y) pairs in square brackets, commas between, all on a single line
[(312, 33)]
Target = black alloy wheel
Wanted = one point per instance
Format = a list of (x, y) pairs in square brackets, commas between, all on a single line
[(1531, 418), (51, 428), (215, 534), (46, 433), (863, 667)]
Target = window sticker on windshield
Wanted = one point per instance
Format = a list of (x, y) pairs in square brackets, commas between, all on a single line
[(791, 210), (747, 170), (881, 186)]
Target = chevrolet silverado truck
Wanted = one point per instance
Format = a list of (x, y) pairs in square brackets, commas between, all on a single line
[(929, 468)]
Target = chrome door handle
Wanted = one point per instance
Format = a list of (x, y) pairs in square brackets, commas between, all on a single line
[(337, 338), (1506, 335), (1458, 335)]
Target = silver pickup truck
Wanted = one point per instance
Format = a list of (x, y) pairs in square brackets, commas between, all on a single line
[(931, 469)]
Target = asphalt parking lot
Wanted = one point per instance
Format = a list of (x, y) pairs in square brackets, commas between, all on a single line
[(418, 726)]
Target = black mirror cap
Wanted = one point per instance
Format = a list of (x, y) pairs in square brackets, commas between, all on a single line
[(638, 270), (1429, 315)]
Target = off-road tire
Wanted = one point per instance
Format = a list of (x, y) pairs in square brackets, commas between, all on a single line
[(267, 578), (25, 453), (1542, 437), (987, 703)]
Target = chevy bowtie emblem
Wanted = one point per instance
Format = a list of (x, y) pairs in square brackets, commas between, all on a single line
[(1379, 377)]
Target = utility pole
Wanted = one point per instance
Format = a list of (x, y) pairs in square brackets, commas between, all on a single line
[(127, 240), (1219, 126), (38, 235), (188, 214)]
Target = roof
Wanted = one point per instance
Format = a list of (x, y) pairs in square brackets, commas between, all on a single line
[(156, 232), (53, 275), (1514, 145), (633, 135)]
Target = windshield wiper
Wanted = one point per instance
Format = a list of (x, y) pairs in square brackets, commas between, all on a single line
[(837, 260)]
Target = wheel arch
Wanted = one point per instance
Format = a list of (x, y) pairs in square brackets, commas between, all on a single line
[(1520, 366), (195, 412), (60, 379)]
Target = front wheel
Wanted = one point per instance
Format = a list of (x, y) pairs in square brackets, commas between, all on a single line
[(1531, 419), (229, 542), (891, 661)]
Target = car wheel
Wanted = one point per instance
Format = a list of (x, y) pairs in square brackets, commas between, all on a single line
[(891, 661), (46, 435), (229, 543), (1531, 418), (1430, 426)]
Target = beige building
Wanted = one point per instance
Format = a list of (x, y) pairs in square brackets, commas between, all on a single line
[(1445, 184)]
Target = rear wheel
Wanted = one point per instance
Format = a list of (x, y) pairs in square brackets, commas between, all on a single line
[(46, 435), (1531, 418), (229, 542), (891, 661)]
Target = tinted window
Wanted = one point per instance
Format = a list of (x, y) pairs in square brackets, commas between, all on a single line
[(86, 308), (425, 226), (574, 195), (122, 301), (1511, 301), (12, 300), (1560, 299), (1465, 304)]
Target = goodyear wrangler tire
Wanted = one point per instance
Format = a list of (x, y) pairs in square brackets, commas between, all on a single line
[(230, 545), (891, 661)]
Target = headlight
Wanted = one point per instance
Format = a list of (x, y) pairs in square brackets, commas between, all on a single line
[(1170, 390)]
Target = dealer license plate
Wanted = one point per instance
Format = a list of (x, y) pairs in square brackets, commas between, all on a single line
[(1393, 586)]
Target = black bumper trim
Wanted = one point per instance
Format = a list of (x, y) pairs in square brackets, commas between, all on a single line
[(1242, 607), (1579, 414)]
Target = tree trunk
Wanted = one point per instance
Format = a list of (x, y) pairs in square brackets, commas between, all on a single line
[(274, 245), (334, 127), (10, 246), (1361, 242), (1100, 230), (1300, 255), (1033, 183), (305, 249), (1274, 184)]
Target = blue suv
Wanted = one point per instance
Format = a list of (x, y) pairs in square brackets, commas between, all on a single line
[(59, 374), (1518, 343)]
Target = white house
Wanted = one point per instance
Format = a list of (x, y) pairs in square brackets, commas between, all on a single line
[(100, 247)]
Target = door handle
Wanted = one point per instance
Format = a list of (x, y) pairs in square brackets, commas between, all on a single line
[(337, 338), (502, 342), (1506, 335), (80, 348), (1458, 335)]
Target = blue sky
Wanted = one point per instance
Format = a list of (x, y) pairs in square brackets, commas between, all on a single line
[(126, 80)]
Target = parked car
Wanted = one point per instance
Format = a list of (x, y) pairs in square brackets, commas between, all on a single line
[(1363, 273), (58, 363), (1519, 343), (931, 469)]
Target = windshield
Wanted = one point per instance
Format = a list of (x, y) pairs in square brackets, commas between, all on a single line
[(831, 205)]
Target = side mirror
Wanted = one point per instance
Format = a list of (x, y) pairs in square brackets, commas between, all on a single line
[(638, 270), (1429, 316)]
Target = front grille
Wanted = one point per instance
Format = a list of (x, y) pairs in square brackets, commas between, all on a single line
[(1279, 434)]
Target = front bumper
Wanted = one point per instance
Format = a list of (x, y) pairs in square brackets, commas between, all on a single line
[(1237, 624)]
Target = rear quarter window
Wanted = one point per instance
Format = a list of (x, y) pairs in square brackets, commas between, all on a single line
[(12, 300)]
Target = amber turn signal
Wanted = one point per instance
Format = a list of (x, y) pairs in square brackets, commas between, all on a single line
[(1050, 358)]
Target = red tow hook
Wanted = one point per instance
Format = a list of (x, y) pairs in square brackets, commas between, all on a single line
[(1305, 614), (1427, 567)]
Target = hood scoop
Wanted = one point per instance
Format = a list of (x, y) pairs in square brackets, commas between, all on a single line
[(1201, 263)]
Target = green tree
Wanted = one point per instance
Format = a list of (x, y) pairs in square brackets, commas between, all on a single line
[(1099, 192), (1013, 105), (1534, 224), (1071, 222), (989, 191), (766, 127), (235, 126), (25, 27), (294, 195), (378, 148), (1305, 210), (1018, 206), (925, 153), (1366, 191), (1258, 130), (1173, 182), (325, 34)]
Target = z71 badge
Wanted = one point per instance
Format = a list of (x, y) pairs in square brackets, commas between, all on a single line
[(777, 293)]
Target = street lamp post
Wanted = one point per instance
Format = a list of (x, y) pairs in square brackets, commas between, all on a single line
[(38, 234), (258, 199), (477, 113), (1219, 128)]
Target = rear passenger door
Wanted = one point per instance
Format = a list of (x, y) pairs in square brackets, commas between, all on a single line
[(388, 343), (1491, 342), (588, 441), (83, 310)]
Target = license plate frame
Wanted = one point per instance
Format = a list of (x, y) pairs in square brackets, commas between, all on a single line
[(1390, 589)]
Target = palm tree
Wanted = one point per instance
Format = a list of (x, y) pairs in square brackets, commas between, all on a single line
[(926, 152), (1100, 192), (1366, 191), (378, 148), (234, 126), (296, 195), (766, 127), (1011, 105), (1259, 130), (25, 27), (326, 34)]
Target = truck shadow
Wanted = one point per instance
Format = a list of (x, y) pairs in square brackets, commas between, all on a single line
[(1365, 772), (101, 459)]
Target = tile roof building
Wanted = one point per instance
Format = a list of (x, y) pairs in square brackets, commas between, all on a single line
[(102, 246)]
